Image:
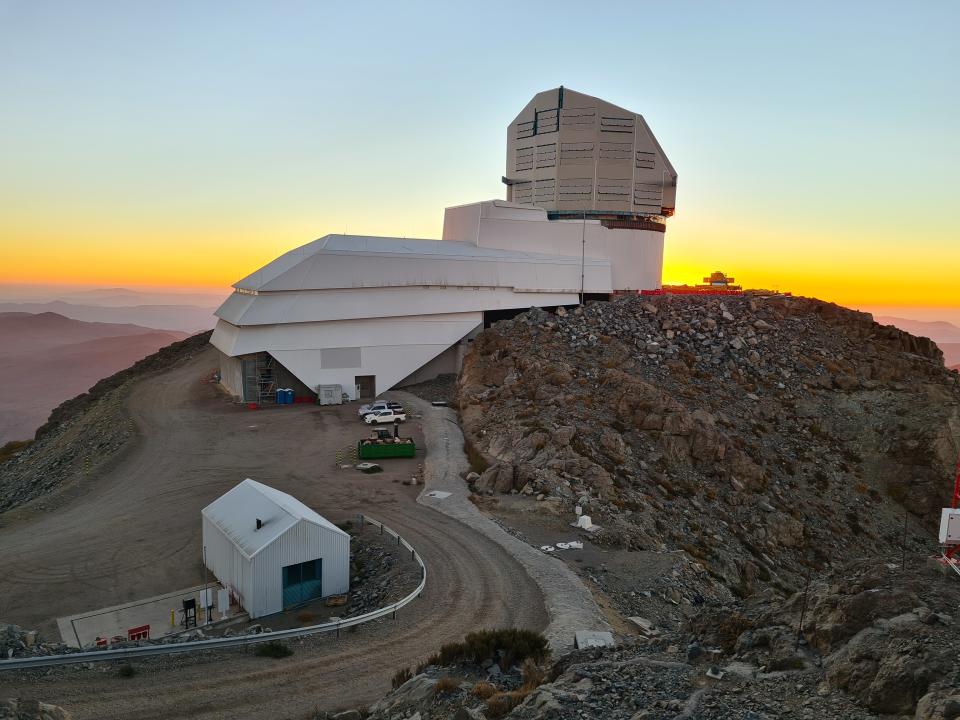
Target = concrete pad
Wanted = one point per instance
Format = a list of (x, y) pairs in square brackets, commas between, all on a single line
[(438, 494), (592, 638), (115, 621)]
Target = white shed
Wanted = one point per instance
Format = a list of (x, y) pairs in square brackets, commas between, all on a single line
[(271, 550)]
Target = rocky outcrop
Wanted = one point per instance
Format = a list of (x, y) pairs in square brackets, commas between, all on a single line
[(760, 435), (31, 710)]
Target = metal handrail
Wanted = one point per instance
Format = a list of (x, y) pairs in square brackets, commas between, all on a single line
[(230, 642)]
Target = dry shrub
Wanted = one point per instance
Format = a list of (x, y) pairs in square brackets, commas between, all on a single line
[(502, 703), (401, 676), (533, 674), (510, 645), (446, 685), (483, 690)]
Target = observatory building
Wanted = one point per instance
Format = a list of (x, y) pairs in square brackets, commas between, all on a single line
[(588, 192)]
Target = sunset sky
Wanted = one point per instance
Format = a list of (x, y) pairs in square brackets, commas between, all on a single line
[(186, 144)]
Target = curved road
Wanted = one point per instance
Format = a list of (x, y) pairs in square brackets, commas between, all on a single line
[(134, 532)]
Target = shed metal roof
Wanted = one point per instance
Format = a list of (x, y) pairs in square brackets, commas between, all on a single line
[(236, 513)]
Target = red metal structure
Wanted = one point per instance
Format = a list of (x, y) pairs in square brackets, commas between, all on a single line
[(716, 284), (141, 632)]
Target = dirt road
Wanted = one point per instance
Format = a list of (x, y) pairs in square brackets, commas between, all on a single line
[(135, 532)]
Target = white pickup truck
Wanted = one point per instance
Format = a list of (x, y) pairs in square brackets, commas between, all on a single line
[(384, 416), (379, 405)]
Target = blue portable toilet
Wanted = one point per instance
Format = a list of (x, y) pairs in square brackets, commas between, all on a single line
[(280, 396), (289, 395)]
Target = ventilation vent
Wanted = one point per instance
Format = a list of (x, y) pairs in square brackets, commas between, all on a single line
[(524, 158), (579, 118), (648, 196), (646, 160), (617, 124), (525, 129), (576, 153), (523, 192), (613, 190), (547, 121), (547, 155), (544, 192), (576, 189), (615, 151)]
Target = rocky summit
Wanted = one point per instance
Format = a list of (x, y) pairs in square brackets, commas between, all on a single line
[(762, 436)]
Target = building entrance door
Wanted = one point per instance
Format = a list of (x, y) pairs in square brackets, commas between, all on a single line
[(366, 386), (302, 582)]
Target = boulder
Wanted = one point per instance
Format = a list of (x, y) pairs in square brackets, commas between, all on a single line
[(31, 710), (498, 478)]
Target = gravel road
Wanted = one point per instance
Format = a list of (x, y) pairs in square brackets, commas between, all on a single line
[(569, 604), (135, 532)]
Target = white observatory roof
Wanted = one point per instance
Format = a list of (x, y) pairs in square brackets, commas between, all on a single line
[(353, 261), (236, 513)]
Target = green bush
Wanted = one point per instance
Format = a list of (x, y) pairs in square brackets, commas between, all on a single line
[(274, 649), (126, 670)]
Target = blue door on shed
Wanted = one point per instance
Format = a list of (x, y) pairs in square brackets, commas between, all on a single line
[(302, 582)]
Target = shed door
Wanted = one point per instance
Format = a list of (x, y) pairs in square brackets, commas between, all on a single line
[(302, 582)]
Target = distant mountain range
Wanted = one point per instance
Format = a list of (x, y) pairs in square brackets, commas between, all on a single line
[(116, 297), (47, 358), (945, 335), (185, 318)]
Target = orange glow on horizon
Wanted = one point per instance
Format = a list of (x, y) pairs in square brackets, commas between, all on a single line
[(836, 267)]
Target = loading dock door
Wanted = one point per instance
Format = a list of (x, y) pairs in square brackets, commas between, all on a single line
[(366, 386), (302, 582)]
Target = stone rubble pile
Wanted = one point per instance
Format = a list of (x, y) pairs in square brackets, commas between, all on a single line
[(17, 642), (877, 643), (758, 435)]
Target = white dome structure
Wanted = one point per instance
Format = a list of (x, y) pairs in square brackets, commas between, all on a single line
[(372, 313)]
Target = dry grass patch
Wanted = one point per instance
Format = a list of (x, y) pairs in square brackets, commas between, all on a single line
[(483, 690), (446, 685)]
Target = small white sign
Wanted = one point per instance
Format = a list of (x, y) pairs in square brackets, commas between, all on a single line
[(206, 598), (223, 602)]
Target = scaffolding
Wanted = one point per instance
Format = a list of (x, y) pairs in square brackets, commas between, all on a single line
[(260, 379)]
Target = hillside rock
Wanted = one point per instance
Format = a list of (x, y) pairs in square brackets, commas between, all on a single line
[(31, 710), (760, 435)]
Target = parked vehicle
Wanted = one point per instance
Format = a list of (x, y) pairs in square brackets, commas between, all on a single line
[(385, 416), (379, 405)]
